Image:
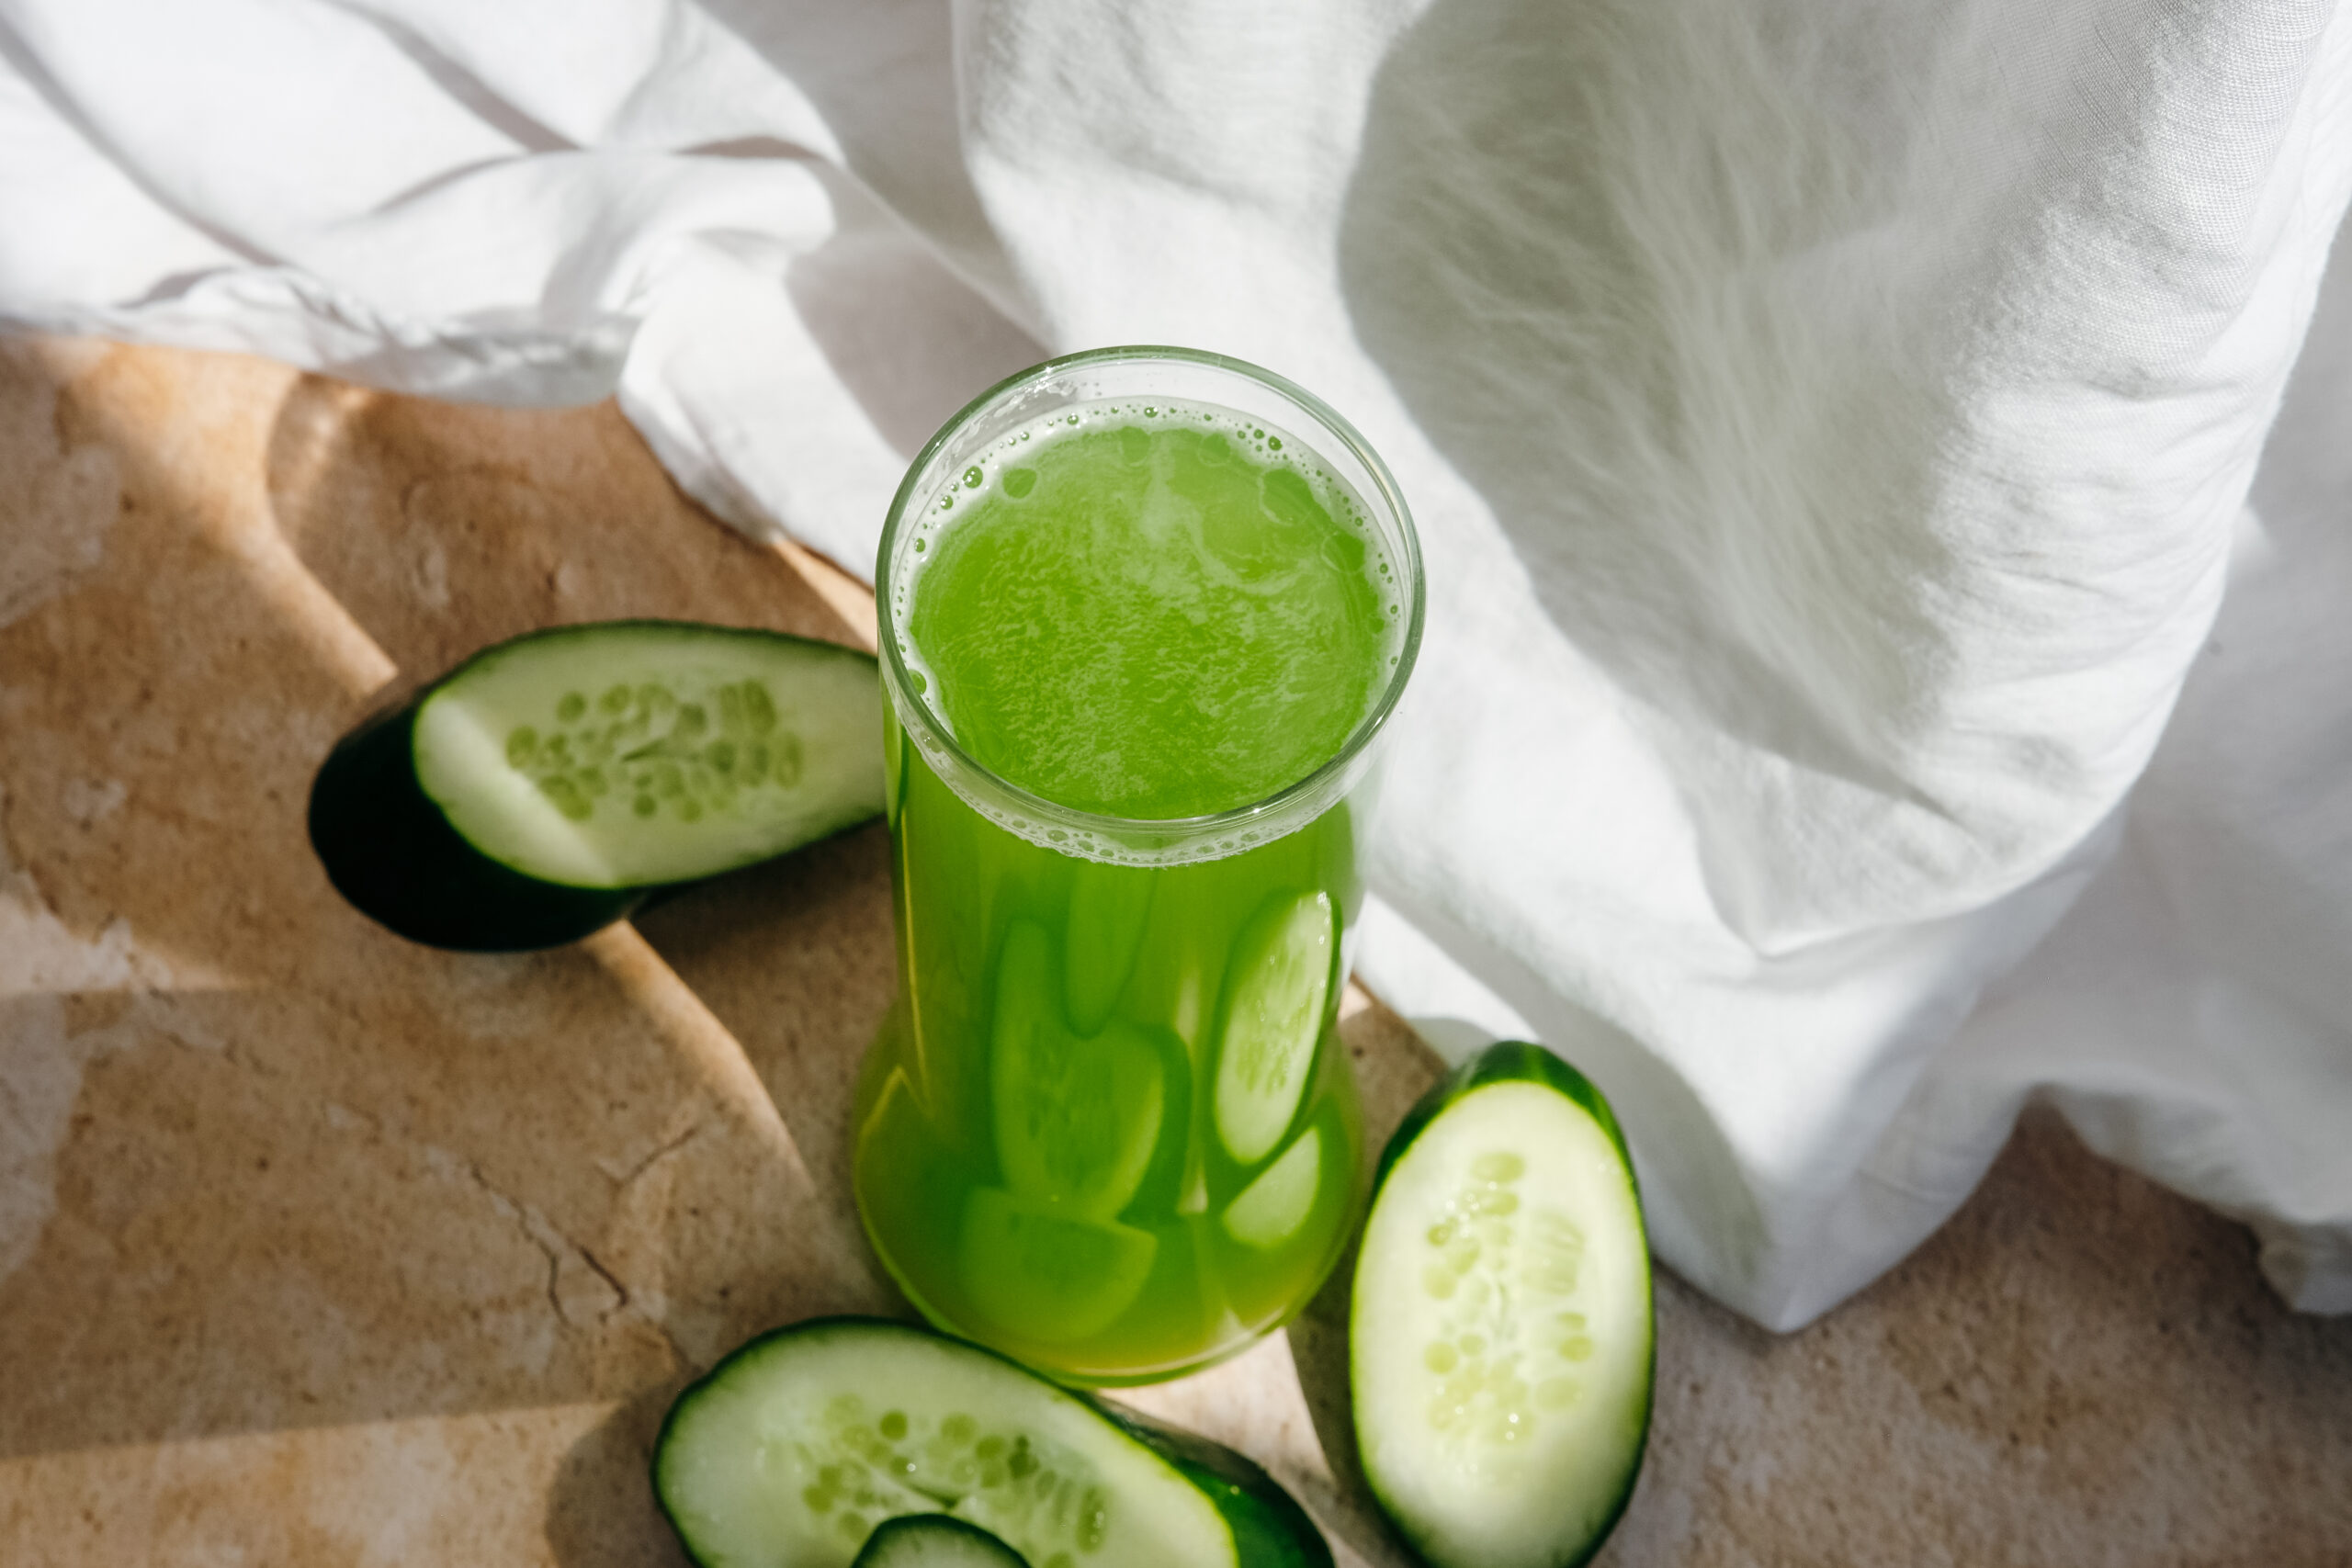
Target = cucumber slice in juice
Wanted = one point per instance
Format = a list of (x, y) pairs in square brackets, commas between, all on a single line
[(792, 1451), (936, 1541), (1501, 1343), (1275, 997), (1108, 907), (1046, 1276), (1077, 1117), (1271, 1210), (540, 789)]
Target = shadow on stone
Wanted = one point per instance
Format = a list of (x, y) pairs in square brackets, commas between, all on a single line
[(601, 1511)]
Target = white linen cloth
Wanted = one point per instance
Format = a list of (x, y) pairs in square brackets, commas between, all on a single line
[(1828, 420)]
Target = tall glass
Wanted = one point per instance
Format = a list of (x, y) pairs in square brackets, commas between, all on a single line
[(1109, 1128)]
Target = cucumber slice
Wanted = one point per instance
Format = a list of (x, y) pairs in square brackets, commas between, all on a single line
[(1103, 936), (934, 1540), (1271, 1210), (1502, 1342), (1076, 1119), (542, 788), (634, 753), (1273, 1015), (1046, 1276), (794, 1448)]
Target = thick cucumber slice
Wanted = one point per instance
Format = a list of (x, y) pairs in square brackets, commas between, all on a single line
[(1501, 1345), (538, 790), (1273, 1014), (1048, 1276), (1076, 1119), (1271, 1210), (794, 1448), (936, 1541)]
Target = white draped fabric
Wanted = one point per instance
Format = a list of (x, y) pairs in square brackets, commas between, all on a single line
[(1831, 424)]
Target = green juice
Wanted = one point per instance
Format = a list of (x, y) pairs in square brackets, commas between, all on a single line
[(1109, 1128)]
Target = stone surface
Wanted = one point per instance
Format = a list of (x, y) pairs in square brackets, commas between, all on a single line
[(319, 1247)]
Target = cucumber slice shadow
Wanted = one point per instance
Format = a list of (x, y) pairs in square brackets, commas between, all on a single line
[(388, 849)]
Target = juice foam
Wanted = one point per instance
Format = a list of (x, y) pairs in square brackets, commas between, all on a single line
[(1149, 611)]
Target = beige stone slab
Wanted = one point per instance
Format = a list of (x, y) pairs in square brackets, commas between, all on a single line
[(316, 1246)]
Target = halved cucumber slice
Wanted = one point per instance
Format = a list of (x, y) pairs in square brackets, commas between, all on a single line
[(1046, 1276), (633, 753), (1274, 999), (794, 1448), (936, 1541), (541, 788), (1077, 1117), (1501, 1345)]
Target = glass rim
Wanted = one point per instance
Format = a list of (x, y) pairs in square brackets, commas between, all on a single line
[(915, 714)]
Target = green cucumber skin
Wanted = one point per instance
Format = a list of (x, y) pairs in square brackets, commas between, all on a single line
[(1517, 1061), (388, 847), (1269, 1529), (909, 1539)]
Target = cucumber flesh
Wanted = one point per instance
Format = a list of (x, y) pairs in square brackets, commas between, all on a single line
[(635, 754), (1502, 1343), (797, 1446), (936, 1541), (1273, 1016)]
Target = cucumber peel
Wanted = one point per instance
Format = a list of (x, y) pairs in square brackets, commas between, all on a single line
[(1502, 1339), (795, 1447), (549, 785), (934, 1540), (1269, 1529)]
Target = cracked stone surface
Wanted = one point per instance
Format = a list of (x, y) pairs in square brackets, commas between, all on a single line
[(316, 1246)]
